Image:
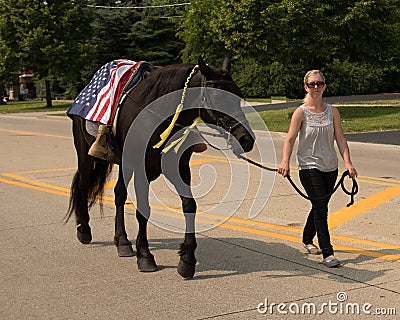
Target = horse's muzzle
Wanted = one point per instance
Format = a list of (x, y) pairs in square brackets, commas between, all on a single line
[(244, 144)]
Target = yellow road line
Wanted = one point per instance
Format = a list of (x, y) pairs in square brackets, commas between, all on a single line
[(339, 217), (28, 133), (386, 183), (110, 184), (37, 183), (41, 171), (378, 179), (27, 186), (39, 186), (196, 162)]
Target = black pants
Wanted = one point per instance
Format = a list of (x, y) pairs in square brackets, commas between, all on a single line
[(318, 184)]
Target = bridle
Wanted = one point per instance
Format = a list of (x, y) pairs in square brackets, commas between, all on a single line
[(206, 104)]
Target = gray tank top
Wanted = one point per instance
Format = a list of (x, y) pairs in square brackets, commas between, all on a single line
[(316, 148)]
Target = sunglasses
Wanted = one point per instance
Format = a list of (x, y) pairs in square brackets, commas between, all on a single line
[(317, 84)]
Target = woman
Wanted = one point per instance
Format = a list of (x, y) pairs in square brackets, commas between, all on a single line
[(318, 125)]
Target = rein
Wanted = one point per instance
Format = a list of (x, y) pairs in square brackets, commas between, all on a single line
[(228, 138), (352, 193)]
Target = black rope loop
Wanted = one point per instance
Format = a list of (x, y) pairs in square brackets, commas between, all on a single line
[(352, 193)]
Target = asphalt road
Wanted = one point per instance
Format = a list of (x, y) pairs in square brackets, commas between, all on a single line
[(384, 137), (248, 267)]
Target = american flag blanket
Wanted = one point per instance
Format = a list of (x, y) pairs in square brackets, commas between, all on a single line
[(99, 99)]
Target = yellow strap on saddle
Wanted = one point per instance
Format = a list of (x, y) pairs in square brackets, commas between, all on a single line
[(164, 136)]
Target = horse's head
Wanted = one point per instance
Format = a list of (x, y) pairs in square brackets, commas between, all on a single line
[(222, 105)]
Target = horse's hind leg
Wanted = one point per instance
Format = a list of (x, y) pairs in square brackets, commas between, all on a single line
[(124, 246), (81, 183), (80, 188)]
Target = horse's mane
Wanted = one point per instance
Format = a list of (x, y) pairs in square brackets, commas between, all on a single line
[(163, 81)]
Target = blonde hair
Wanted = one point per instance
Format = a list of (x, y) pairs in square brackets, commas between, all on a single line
[(308, 74)]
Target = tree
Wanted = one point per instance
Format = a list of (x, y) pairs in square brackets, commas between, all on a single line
[(370, 31), (292, 36), (111, 26), (50, 38), (153, 37), (133, 30), (198, 33)]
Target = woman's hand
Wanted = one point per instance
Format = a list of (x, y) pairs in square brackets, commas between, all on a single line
[(284, 168), (352, 171)]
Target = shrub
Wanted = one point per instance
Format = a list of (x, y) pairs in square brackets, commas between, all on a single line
[(343, 78)]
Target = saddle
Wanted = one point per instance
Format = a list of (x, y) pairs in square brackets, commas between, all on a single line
[(92, 126), (144, 67), (108, 141)]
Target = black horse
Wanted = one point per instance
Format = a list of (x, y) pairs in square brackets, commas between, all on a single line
[(88, 183)]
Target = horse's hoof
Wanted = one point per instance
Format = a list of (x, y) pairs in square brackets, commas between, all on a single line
[(84, 238), (146, 264), (186, 270), (125, 251)]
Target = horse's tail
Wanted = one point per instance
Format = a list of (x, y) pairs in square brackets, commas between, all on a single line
[(97, 178)]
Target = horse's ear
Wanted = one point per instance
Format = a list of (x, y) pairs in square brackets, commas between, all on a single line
[(226, 65), (204, 68)]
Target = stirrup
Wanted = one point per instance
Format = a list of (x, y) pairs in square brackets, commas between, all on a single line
[(102, 153)]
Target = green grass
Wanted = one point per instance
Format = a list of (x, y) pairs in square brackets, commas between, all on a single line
[(33, 106), (374, 118), (354, 118)]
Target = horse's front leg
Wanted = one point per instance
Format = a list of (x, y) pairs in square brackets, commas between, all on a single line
[(145, 259), (124, 246), (187, 261)]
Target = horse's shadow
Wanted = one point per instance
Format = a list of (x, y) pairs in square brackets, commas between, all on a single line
[(224, 257)]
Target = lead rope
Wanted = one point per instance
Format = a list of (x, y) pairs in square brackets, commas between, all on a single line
[(352, 193)]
